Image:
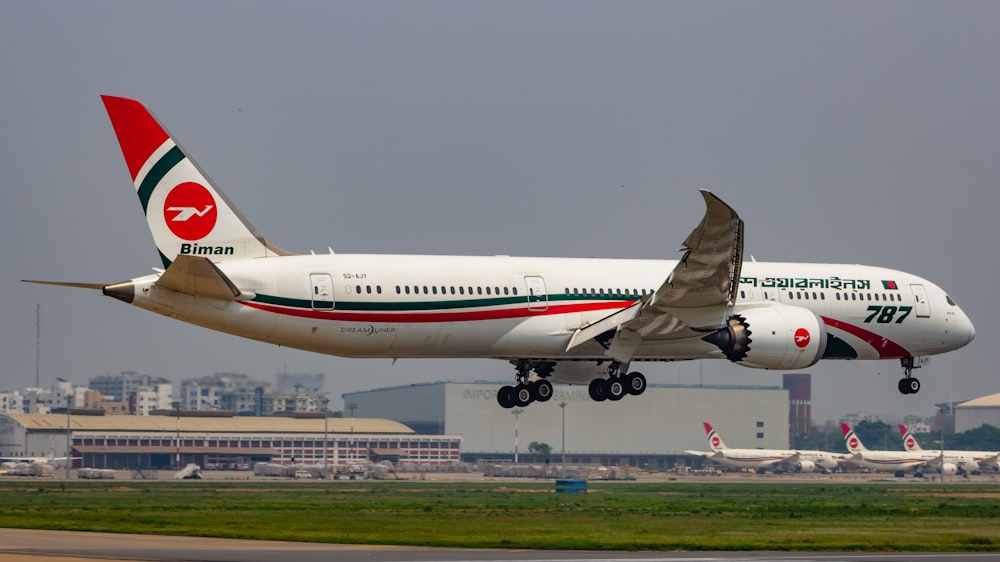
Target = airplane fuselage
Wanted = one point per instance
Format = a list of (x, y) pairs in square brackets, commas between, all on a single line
[(511, 307)]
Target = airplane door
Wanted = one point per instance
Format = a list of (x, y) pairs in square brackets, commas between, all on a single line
[(322, 291), (538, 298), (921, 306)]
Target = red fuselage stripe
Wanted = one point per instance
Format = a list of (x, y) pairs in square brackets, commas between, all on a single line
[(437, 316), (886, 348)]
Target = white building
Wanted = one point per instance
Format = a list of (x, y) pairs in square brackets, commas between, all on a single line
[(649, 430), (158, 397), (11, 402)]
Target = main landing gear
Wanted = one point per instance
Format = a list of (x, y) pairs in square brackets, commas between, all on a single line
[(618, 384), (525, 392), (908, 384)]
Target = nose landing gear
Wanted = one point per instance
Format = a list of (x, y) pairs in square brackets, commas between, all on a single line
[(908, 384)]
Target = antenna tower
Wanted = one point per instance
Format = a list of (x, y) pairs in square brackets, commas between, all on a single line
[(38, 344)]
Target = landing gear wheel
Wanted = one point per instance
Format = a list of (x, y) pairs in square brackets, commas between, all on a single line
[(505, 397), (635, 383), (616, 389), (598, 390), (909, 385), (541, 390), (522, 395)]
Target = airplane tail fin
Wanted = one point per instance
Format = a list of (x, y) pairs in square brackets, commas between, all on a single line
[(851, 439), (187, 214), (909, 441), (714, 441)]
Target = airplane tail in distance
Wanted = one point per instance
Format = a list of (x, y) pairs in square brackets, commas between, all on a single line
[(714, 441), (187, 215), (909, 441), (851, 439)]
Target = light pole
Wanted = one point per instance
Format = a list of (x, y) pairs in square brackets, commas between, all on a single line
[(352, 406), (516, 412), (177, 441), (69, 437), (326, 418), (562, 406)]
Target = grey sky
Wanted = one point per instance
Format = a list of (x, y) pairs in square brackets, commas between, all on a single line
[(849, 132)]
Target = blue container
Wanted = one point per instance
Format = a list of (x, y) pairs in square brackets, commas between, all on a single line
[(571, 486)]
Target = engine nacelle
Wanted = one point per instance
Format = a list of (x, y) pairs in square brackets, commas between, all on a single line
[(949, 469), (805, 466), (775, 336)]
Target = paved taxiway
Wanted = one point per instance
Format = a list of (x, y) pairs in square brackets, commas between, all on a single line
[(20, 545)]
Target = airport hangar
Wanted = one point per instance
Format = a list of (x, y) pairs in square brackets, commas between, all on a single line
[(974, 413), (648, 431), (218, 440)]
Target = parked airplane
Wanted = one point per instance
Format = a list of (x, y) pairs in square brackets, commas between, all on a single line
[(55, 461), (578, 321), (974, 461), (761, 459), (901, 462)]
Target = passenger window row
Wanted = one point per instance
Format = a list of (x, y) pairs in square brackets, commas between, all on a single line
[(452, 290), (605, 292)]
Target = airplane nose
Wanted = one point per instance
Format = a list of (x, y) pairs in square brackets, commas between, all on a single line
[(965, 332)]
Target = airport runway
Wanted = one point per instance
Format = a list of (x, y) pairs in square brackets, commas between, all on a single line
[(20, 545)]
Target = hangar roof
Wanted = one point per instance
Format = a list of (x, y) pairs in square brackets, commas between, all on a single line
[(41, 422), (992, 400)]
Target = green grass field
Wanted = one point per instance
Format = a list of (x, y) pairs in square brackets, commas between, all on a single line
[(619, 516)]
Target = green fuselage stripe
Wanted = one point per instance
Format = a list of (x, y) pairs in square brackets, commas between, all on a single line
[(410, 306), (156, 173)]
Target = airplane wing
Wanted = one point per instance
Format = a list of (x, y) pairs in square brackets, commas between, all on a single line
[(706, 454), (695, 294), (990, 461), (793, 458), (856, 458)]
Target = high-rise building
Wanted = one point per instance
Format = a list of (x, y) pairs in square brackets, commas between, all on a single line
[(799, 387)]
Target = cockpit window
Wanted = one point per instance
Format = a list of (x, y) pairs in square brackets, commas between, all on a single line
[(951, 302)]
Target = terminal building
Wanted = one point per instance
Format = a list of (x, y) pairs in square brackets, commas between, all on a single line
[(650, 431), (217, 442)]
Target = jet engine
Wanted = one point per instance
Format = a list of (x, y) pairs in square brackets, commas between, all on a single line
[(805, 466), (772, 337), (948, 469)]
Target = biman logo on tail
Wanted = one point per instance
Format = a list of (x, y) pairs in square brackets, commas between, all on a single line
[(191, 213)]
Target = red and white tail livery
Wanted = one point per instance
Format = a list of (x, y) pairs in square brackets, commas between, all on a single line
[(186, 213)]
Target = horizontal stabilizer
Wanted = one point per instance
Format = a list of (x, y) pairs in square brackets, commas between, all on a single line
[(199, 277), (95, 286)]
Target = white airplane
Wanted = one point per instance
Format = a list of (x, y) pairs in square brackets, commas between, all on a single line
[(54, 461), (761, 459), (570, 320), (973, 461), (900, 462)]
